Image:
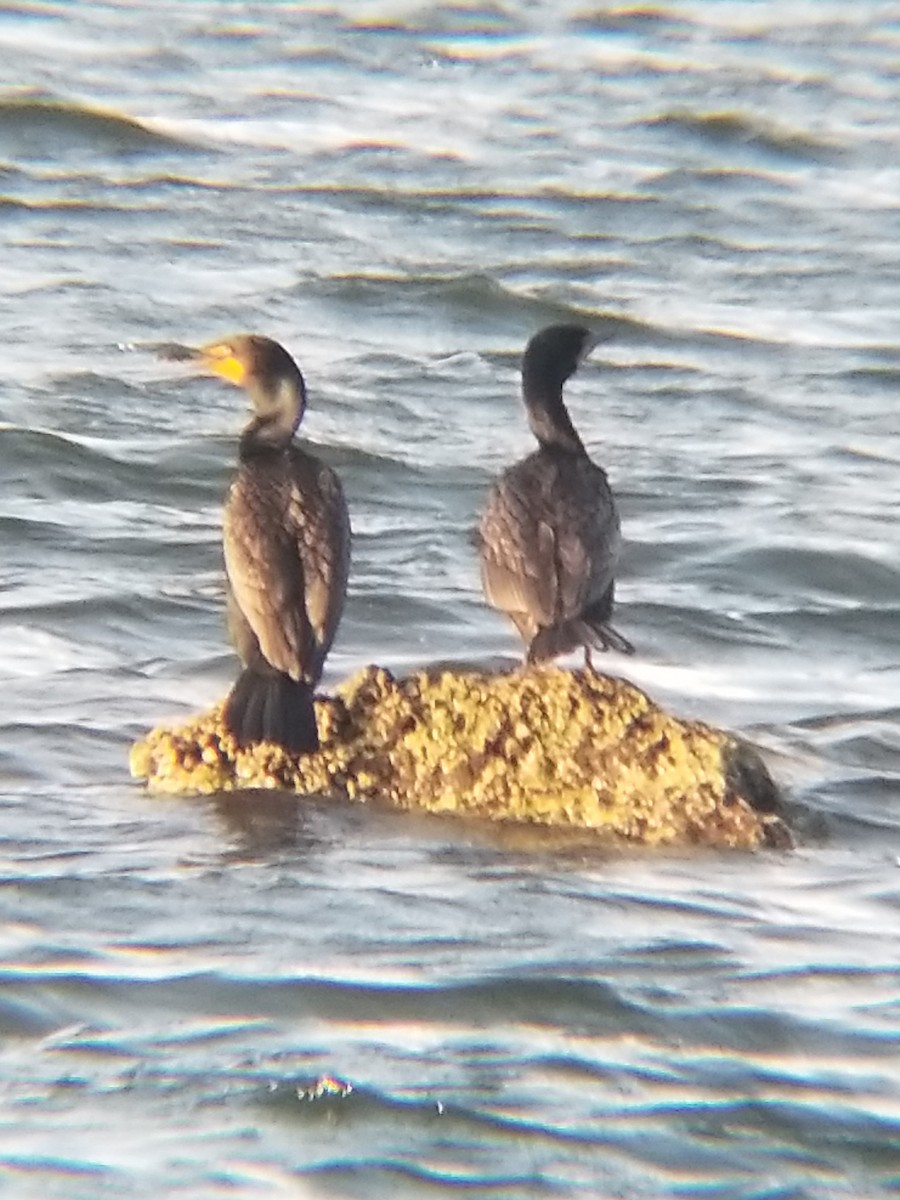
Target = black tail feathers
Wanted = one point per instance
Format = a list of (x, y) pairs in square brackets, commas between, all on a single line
[(560, 639), (272, 707)]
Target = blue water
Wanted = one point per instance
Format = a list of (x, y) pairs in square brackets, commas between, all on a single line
[(402, 195)]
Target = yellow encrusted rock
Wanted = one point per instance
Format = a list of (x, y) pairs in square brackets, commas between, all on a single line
[(540, 745)]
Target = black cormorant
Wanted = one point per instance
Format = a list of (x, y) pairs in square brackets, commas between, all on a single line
[(549, 534), (286, 536)]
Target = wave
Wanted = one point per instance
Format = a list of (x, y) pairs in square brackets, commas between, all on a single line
[(675, 181), (475, 297), (455, 20), (627, 19), (479, 295), (37, 125), (73, 460), (734, 129)]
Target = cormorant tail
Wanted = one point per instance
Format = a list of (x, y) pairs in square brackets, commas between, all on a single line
[(555, 640), (271, 707)]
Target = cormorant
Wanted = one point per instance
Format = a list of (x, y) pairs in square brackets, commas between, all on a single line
[(286, 537), (549, 534)]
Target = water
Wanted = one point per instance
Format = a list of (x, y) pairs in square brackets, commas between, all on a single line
[(402, 194)]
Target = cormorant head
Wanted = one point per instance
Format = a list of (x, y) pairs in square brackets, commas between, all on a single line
[(553, 354), (268, 375)]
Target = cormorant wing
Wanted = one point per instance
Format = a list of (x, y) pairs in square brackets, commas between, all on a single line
[(324, 545), (549, 541), (587, 557), (518, 567), (266, 574)]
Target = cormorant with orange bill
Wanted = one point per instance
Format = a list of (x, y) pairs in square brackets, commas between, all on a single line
[(286, 537)]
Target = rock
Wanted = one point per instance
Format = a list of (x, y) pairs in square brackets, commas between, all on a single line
[(543, 745)]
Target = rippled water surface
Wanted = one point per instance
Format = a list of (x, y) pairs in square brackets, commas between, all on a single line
[(402, 194)]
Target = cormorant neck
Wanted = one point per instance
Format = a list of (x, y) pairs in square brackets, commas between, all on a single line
[(278, 408), (549, 419), (264, 435)]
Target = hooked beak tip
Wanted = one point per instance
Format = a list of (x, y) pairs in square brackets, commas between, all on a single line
[(176, 352)]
